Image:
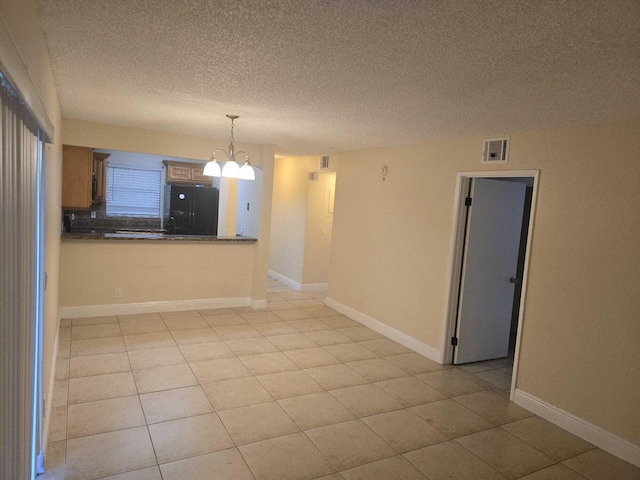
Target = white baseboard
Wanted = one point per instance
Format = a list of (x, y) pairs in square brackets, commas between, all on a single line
[(297, 286), (315, 287), (600, 437), (151, 307), (286, 280), (390, 332), (258, 304)]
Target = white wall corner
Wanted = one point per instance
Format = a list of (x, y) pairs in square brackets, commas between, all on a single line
[(384, 329), (600, 437), (286, 280), (153, 307)]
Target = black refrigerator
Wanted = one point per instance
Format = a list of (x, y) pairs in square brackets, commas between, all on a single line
[(191, 210)]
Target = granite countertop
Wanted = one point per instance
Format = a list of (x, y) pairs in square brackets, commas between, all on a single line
[(155, 236)]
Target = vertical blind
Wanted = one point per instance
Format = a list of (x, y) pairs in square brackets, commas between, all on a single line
[(21, 287), (133, 191)]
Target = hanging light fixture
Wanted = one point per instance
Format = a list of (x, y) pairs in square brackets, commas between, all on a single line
[(231, 168)]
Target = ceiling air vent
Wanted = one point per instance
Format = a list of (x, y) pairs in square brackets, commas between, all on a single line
[(324, 162), (496, 150)]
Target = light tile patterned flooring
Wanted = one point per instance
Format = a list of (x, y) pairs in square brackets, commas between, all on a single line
[(297, 391)]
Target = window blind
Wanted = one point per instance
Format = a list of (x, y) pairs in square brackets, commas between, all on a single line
[(133, 191), (21, 287)]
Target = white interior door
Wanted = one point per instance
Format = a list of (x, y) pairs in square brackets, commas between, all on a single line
[(490, 260)]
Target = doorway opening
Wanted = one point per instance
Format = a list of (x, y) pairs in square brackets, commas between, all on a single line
[(301, 225), (493, 219)]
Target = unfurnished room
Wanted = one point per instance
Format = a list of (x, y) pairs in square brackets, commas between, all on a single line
[(305, 240)]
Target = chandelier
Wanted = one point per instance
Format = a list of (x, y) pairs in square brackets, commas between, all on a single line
[(231, 168)]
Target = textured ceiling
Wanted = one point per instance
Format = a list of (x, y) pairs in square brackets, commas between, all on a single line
[(310, 76)]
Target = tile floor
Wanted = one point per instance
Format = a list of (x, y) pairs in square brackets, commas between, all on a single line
[(297, 391)]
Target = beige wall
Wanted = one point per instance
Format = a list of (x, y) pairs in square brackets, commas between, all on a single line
[(318, 231), (288, 220), (149, 271), (227, 208), (261, 259), (579, 351), (22, 20), (128, 139), (299, 250)]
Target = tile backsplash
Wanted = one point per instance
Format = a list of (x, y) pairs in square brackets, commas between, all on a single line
[(82, 219)]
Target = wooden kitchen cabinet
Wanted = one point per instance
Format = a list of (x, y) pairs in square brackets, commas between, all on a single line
[(100, 177), (186, 173), (84, 177), (198, 177), (77, 176)]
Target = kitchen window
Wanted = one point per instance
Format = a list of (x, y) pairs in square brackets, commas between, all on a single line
[(133, 191)]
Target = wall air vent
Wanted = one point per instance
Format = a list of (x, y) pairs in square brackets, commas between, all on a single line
[(496, 150), (324, 162)]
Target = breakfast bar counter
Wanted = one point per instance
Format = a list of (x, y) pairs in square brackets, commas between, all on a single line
[(154, 236), (135, 271)]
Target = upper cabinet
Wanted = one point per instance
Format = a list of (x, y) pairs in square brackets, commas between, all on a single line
[(77, 173), (100, 177), (186, 173), (84, 175)]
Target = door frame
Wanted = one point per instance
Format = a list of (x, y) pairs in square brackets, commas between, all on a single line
[(456, 254)]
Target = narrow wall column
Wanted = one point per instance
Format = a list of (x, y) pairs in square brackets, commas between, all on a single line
[(261, 252), (227, 207)]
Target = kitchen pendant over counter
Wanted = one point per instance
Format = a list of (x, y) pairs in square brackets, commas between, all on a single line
[(231, 167)]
